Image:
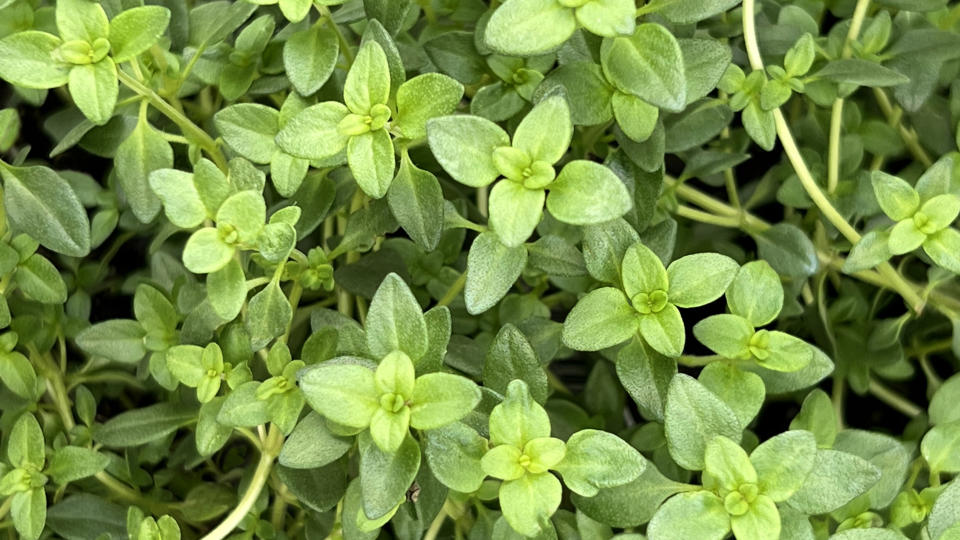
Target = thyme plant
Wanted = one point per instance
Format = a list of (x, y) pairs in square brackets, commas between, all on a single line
[(424, 269)]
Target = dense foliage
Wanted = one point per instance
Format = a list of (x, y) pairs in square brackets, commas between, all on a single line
[(557, 269)]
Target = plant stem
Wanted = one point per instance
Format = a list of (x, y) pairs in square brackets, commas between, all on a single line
[(190, 130), (437, 524), (894, 399), (894, 279), (271, 447), (454, 290), (836, 114), (909, 136)]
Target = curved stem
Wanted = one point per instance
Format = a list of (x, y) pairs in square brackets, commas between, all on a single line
[(271, 447), (894, 114), (836, 114), (895, 280), (454, 290), (894, 399), (190, 130)]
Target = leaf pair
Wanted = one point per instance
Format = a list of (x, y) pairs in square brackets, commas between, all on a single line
[(476, 152), (648, 301), (362, 128)]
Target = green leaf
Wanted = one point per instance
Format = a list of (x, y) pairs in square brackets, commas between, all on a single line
[(545, 132), (529, 501), (725, 334), (664, 331), (642, 271), (646, 376), (945, 513), (943, 247), (422, 98), (603, 318), (760, 125), (181, 199), (941, 448), (515, 211), (440, 399), (94, 89), (81, 19), (529, 27), (762, 521), (691, 11), (242, 213), (596, 459), (783, 463), (817, 416), (693, 416), (18, 375), (699, 279), (184, 363), (492, 269), (587, 193), (372, 161), (897, 198), (249, 129), (785, 352), (636, 117), (313, 133), (608, 18), (386, 477), (40, 202), (206, 252), (631, 504), (310, 55), (741, 390), (905, 237), (40, 280), (141, 426), (647, 64), (860, 72), (72, 463), (227, 290), (84, 515), (28, 509), (872, 250), (788, 250), (25, 447), (141, 153), (311, 444), (942, 409), (268, 315), (454, 453), (416, 200), (518, 419), (388, 428), (243, 408), (673, 520), (821, 493), (464, 145), (27, 60), (343, 393), (726, 466), (756, 293), (135, 30), (120, 340), (395, 321), (512, 357), (368, 82)]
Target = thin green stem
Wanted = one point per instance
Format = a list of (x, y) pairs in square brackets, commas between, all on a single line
[(893, 399), (344, 44), (454, 290), (705, 217), (895, 280), (894, 114), (271, 448), (190, 130), (836, 114), (437, 524)]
